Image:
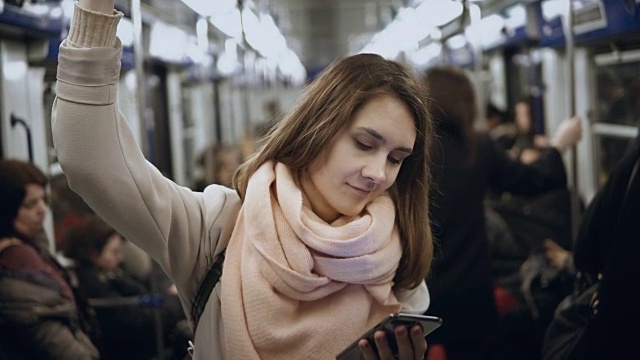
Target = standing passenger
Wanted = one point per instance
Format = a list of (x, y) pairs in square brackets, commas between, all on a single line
[(465, 165), (326, 233), (40, 316)]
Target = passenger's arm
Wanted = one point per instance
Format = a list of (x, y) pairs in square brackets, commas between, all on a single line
[(507, 174), (100, 6), (104, 164), (547, 173)]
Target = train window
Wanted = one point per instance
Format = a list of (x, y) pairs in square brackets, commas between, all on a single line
[(609, 149), (617, 108)]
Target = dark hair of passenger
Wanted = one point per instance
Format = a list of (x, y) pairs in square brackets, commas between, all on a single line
[(492, 111), (87, 240), (327, 105), (454, 105), (15, 175)]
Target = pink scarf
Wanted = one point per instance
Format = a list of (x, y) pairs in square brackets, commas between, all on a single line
[(295, 287)]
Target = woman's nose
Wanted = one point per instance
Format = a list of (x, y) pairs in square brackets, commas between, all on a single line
[(375, 170), (42, 206)]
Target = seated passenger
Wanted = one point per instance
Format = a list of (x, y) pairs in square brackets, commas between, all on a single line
[(40, 315), (128, 329)]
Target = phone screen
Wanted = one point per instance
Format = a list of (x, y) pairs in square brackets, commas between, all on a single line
[(428, 323)]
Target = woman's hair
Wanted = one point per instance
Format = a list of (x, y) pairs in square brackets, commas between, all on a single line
[(82, 242), (453, 102), (15, 175), (327, 105)]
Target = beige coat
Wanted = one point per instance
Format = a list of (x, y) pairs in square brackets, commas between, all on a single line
[(182, 230)]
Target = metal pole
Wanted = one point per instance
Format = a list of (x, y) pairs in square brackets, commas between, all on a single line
[(138, 52), (217, 115), (569, 48), (138, 57)]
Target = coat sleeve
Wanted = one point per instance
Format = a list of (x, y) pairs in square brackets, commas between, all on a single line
[(36, 320), (103, 163), (415, 301), (55, 340)]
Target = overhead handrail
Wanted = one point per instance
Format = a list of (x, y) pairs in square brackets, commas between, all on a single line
[(15, 121)]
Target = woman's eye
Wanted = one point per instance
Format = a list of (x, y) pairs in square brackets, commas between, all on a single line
[(394, 161), (363, 146), (30, 204)]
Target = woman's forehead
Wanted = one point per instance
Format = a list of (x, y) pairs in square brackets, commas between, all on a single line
[(33, 190), (386, 117)]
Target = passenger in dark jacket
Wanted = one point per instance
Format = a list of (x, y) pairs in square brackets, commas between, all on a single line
[(40, 315), (465, 165), (608, 244)]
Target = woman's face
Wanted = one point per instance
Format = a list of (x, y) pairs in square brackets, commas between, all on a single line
[(32, 211), (111, 255), (362, 160)]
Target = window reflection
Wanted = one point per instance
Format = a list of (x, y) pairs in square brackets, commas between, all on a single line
[(618, 110)]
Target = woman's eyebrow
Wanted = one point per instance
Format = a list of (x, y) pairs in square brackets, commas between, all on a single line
[(377, 135)]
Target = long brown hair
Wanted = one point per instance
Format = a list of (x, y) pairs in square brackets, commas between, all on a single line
[(326, 106)]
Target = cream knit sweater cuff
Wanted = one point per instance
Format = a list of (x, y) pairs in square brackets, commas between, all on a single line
[(91, 29)]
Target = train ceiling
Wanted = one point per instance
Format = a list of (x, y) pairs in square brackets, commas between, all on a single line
[(303, 36)]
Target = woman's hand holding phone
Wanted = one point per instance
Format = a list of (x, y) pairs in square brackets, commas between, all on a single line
[(410, 342), (398, 336)]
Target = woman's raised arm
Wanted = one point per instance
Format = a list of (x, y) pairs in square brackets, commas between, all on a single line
[(104, 164), (100, 6)]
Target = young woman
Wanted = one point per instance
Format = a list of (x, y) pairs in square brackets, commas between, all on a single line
[(40, 315), (326, 233)]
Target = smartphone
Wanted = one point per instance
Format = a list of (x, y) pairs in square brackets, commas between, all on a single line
[(428, 323)]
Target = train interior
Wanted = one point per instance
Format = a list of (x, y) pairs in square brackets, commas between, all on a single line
[(198, 74)]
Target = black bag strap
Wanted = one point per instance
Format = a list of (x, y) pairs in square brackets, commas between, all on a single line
[(207, 285)]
